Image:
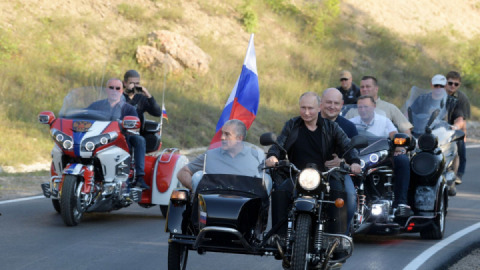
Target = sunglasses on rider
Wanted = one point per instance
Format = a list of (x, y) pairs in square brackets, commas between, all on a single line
[(454, 83), (438, 86), (343, 79), (115, 88)]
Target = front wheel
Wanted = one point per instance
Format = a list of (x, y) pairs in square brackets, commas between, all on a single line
[(437, 230), (301, 246), (69, 199), (56, 205), (177, 256)]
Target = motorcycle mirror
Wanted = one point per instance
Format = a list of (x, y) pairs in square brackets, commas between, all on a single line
[(270, 138), (432, 118)]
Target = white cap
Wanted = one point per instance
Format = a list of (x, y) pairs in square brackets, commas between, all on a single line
[(439, 79)]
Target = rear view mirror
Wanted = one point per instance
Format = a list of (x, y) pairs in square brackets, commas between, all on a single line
[(267, 139), (131, 122), (46, 117)]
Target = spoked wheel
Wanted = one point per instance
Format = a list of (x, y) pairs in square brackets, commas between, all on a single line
[(56, 205), (164, 210), (177, 256), (301, 246), (72, 203), (437, 230)]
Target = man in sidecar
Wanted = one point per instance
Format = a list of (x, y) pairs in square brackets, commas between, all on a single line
[(231, 157)]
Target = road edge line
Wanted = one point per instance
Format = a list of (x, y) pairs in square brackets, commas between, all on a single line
[(424, 256), (22, 199)]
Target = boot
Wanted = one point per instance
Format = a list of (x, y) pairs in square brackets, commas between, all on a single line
[(141, 183)]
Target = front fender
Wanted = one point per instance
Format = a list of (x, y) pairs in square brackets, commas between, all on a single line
[(305, 204), (175, 215)]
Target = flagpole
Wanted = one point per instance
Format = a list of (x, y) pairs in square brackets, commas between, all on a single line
[(163, 94)]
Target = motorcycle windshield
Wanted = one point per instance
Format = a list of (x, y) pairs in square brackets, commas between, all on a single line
[(234, 166), (423, 104), (92, 103), (350, 111)]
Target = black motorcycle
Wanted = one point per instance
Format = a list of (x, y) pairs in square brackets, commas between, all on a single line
[(227, 212), (316, 222)]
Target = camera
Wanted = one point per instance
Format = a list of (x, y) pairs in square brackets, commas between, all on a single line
[(138, 88)]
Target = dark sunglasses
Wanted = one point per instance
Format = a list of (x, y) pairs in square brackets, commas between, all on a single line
[(116, 88), (438, 86), (454, 83), (343, 79)]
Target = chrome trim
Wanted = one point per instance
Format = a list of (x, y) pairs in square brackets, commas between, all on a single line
[(204, 231)]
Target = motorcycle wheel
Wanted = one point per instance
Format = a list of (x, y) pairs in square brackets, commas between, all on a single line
[(56, 205), (70, 214), (177, 256), (164, 210), (437, 230), (301, 246)]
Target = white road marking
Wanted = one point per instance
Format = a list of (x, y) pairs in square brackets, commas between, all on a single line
[(424, 256), (473, 146), (22, 199)]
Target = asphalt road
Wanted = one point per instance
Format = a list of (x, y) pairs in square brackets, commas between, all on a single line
[(33, 236)]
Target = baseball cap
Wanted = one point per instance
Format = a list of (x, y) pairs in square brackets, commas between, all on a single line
[(439, 79), (345, 74)]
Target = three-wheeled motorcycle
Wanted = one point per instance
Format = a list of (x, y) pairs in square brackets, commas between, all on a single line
[(92, 166)]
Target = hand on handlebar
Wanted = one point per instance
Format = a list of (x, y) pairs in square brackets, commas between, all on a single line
[(271, 161), (355, 168)]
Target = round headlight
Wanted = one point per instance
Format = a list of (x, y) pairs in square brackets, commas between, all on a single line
[(362, 163), (374, 158), (89, 146), (67, 144), (59, 137), (309, 179), (104, 140)]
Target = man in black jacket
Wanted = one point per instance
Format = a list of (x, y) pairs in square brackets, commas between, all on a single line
[(139, 97), (309, 138)]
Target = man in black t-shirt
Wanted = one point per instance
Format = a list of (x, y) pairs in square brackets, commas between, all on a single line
[(348, 89), (458, 119), (309, 138)]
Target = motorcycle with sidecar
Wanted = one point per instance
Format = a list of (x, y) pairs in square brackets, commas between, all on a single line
[(92, 167)]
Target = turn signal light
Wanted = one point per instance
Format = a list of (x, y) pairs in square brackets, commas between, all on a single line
[(399, 141), (339, 203), (178, 195)]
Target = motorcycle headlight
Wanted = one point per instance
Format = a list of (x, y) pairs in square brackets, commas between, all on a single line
[(93, 143), (373, 158), (309, 179), (63, 139)]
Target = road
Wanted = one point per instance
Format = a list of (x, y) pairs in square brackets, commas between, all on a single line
[(33, 236)]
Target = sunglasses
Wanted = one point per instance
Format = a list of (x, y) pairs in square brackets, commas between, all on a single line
[(116, 88), (438, 86), (343, 79), (454, 83)]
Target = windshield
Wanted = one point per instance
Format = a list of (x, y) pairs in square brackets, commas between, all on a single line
[(234, 165), (421, 106), (350, 111), (92, 103)]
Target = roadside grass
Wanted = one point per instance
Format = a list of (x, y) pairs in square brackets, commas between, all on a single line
[(298, 49)]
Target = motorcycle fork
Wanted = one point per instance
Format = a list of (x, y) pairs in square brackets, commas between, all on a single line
[(319, 230)]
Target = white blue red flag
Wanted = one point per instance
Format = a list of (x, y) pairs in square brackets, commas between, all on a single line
[(164, 112), (242, 104)]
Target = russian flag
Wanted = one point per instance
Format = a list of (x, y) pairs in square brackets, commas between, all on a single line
[(242, 104), (164, 112)]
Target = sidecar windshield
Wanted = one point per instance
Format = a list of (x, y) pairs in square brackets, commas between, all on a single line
[(92, 103), (422, 104), (233, 165)]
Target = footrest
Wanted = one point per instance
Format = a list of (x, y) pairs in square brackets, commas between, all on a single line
[(136, 194), (46, 189)]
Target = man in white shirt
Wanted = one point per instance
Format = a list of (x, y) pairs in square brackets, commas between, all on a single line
[(369, 120), (381, 126)]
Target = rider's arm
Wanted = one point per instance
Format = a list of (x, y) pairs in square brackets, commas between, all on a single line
[(152, 107), (185, 177)]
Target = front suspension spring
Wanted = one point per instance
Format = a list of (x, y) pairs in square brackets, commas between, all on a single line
[(319, 237)]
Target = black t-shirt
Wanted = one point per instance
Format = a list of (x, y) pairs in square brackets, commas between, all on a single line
[(307, 148), (462, 108), (350, 96)]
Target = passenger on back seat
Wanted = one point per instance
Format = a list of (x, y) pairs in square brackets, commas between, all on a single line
[(139, 97)]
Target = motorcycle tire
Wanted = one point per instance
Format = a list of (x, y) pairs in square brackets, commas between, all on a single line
[(301, 246), (164, 210), (70, 214), (56, 205), (437, 230), (177, 256)]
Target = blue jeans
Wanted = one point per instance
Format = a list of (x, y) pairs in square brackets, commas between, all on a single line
[(401, 170), (462, 155), (139, 146)]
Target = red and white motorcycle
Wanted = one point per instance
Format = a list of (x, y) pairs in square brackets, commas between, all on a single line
[(92, 165)]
